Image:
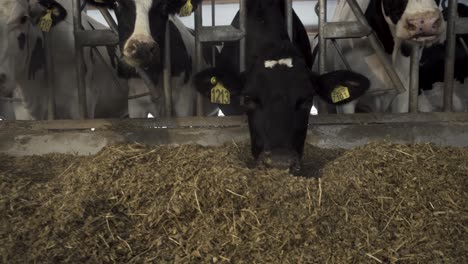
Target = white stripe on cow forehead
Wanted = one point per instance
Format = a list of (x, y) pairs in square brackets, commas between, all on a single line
[(142, 25), (288, 62)]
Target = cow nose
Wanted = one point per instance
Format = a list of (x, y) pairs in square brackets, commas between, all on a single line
[(3, 78), (281, 159), (424, 24), (141, 51)]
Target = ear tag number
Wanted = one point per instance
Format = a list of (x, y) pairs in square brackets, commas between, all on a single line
[(340, 93), (187, 9), (219, 94), (46, 21)]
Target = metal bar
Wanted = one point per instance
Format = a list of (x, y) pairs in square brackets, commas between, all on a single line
[(377, 46), (108, 18), (198, 55), (348, 29), (463, 43), (220, 33), (96, 37), (167, 72), (49, 75), (80, 72), (213, 23), (322, 40), (414, 78), (342, 57), (289, 18), (242, 27), (450, 55)]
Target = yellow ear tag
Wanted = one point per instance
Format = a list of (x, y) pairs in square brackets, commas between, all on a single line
[(187, 9), (340, 93), (219, 94), (45, 23)]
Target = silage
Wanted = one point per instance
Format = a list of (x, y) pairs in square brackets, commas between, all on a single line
[(190, 204)]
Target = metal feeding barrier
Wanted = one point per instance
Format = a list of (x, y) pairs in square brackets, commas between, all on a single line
[(337, 30), (216, 34)]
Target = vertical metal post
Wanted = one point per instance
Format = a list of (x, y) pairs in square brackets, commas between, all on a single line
[(322, 107), (198, 54), (450, 55), (167, 72), (49, 76), (289, 18), (242, 27), (322, 40), (80, 73), (213, 23), (414, 78)]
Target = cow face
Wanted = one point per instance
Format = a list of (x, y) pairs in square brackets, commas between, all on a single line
[(21, 47), (417, 21), (277, 94), (142, 27)]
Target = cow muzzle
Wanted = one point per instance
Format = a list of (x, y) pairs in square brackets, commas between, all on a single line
[(426, 26), (141, 51), (281, 159)]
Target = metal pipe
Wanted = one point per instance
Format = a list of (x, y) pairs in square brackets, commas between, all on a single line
[(450, 55), (167, 72), (289, 18), (322, 40), (49, 76), (80, 72), (463, 43), (377, 46), (108, 18), (414, 78), (242, 27), (340, 53), (322, 107), (213, 23), (198, 55)]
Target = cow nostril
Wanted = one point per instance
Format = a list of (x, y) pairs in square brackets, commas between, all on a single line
[(422, 21)]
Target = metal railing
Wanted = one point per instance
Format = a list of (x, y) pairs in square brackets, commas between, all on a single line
[(327, 31)]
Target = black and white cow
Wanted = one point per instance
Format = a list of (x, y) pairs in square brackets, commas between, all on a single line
[(23, 63), (399, 24), (277, 87), (141, 28), (431, 74)]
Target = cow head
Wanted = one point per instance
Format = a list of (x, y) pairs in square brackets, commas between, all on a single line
[(142, 26), (21, 43), (416, 21), (277, 93)]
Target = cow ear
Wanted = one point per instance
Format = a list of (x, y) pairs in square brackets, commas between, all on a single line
[(49, 13), (206, 81), (58, 13), (340, 87)]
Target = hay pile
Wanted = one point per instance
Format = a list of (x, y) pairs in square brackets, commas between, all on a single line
[(380, 203)]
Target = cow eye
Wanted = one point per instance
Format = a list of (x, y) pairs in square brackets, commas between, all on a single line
[(250, 103), (305, 104)]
